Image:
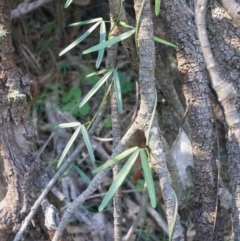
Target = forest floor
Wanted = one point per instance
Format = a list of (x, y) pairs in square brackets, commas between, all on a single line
[(58, 85)]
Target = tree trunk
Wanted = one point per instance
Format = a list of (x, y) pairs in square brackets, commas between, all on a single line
[(196, 90), (225, 43), (25, 176)]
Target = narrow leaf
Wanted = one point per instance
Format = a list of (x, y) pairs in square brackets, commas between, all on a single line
[(117, 88), (109, 42), (151, 120), (126, 25), (95, 88), (119, 180), (115, 159), (98, 72), (72, 124), (80, 39), (102, 39), (67, 4), (88, 143), (174, 216), (162, 41), (82, 174), (157, 7), (94, 20), (148, 178), (68, 146)]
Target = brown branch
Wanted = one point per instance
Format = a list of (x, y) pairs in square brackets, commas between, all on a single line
[(56, 176), (195, 82), (23, 10), (97, 180), (233, 9), (147, 94), (151, 211), (116, 134), (141, 212), (227, 96)]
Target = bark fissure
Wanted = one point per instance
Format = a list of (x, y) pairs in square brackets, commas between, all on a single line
[(16, 134), (223, 49), (25, 175), (196, 91)]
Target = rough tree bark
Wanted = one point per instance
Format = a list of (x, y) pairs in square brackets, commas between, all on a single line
[(24, 174), (195, 81), (223, 66)]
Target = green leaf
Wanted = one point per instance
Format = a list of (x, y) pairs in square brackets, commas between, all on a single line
[(148, 178), (67, 4), (68, 146), (140, 185), (109, 42), (99, 72), (174, 216), (115, 159), (117, 88), (157, 7), (82, 174), (102, 39), (84, 110), (80, 39), (126, 25), (119, 179), (94, 20), (162, 41), (152, 117), (72, 124), (72, 95), (88, 143), (95, 88)]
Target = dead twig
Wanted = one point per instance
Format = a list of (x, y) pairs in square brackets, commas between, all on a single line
[(22, 10)]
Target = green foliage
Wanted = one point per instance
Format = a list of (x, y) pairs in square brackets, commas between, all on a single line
[(80, 39), (94, 20), (95, 88), (140, 185), (73, 138), (46, 46), (69, 145), (162, 41), (108, 122), (148, 177), (64, 68), (110, 42), (67, 4), (88, 143), (157, 7), (119, 179), (101, 40), (50, 27), (117, 89), (126, 86), (82, 174), (116, 159), (113, 76), (70, 102), (93, 74), (134, 152)]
